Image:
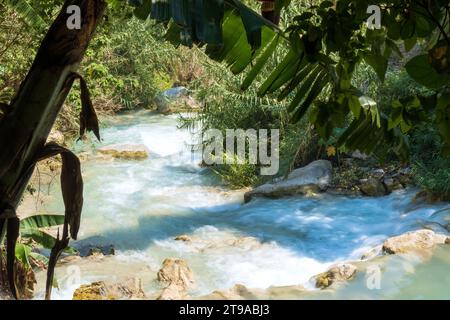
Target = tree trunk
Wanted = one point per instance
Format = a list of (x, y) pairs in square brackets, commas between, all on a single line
[(32, 113)]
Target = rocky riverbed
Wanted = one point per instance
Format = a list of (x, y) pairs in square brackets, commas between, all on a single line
[(163, 227)]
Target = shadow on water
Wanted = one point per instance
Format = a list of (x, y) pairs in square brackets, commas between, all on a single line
[(323, 229)]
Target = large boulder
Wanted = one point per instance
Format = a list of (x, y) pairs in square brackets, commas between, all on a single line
[(419, 241), (130, 289), (175, 98), (125, 151), (313, 178), (177, 277), (338, 273)]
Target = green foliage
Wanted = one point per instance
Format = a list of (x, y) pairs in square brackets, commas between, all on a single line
[(28, 12), (336, 40), (238, 175), (431, 170), (32, 235)]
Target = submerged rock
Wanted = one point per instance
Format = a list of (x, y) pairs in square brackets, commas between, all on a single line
[(338, 273), (89, 249), (241, 292), (184, 238), (311, 179), (178, 278), (125, 151), (130, 289), (372, 253), (413, 242)]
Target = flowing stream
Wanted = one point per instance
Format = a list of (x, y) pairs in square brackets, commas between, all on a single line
[(139, 207)]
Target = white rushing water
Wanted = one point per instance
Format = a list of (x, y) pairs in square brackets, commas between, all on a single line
[(139, 207)]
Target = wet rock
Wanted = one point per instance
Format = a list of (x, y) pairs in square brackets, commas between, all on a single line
[(405, 180), (201, 244), (241, 292), (392, 184), (88, 250), (178, 278), (311, 179), (184, 238), (338, 273), (428, 197), (130, 289), (372, 253), (413, 242), (176, 271), (372, 187), (377, 173), (125, 151)]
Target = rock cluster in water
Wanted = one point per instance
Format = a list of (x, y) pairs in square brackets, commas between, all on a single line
[(100, 290), (177, 278), (125, 151), (311, 179)]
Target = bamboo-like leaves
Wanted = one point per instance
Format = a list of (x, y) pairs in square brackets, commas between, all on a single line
[(88, 117), (281, 74), (41, 221), (58, 248), (262, 60), (295, 81), (314, 83), (71, 184), (72, 191)]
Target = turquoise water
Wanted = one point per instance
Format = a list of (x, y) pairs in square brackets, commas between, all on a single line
[(141, 206)]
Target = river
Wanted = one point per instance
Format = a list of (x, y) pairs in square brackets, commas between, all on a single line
[(139, 207)]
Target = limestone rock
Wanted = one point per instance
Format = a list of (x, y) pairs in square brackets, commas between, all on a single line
[(338, 273), (184, 238), (130, 289), (311, 179), (372, 253), (178, 278), (173, 292), (238, 292), (125, 151), (413, 242)]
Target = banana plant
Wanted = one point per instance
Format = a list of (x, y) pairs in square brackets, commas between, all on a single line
[(27, 12), (31, 229), (324, 45), (32, 235)]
